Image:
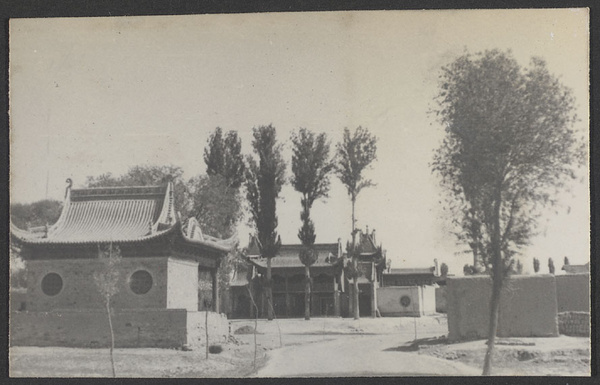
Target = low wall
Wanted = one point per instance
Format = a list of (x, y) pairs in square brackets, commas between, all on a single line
[(440, 299), (161, 328), (574, 323), (528, 307), (390, 305), (573, 292)]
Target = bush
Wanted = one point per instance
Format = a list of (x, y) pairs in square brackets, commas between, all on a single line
[(215, 349), (244, 330)]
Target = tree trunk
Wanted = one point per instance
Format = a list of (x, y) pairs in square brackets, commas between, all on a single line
[(112, 338), (355, 265), (355, 290), (493, 326), (269, 291), (307, 293), (497, 278), (373, 290), (206, 330)]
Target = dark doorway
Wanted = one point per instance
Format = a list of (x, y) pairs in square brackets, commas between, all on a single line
[(364, 300)]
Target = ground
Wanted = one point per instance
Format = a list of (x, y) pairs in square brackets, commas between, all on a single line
[(319, 347)]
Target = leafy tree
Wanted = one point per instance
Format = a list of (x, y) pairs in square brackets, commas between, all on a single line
[(311, 167), (41, 213), (218, 208), (354, 155), (509, 147), (144, 175), (223, 156), (263, 185), (566, 261), (107, 282), (551, 268), (215, 204), (26, 215), (444, 269), (536, 265)]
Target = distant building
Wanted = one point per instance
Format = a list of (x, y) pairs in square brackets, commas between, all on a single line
[(161, 257), (419, 276), (577, 269), (288, 279), (331, 290), (408, 292)]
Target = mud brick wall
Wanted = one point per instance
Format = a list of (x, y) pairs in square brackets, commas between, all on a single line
[(528, 307), (573, 292), (174, 284), (18, 300), (440, 299), (574, 323), (89, 328), (160, 328)]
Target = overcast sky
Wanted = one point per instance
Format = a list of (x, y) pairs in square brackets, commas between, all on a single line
[(96, 95)]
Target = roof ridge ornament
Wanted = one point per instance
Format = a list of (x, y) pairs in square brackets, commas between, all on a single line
[(69, 182)]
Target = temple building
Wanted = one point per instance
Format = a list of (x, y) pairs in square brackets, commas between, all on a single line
[(330, 290), (157, 299), (288, 280)]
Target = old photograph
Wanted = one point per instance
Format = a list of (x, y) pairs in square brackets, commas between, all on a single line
[(307, 194)]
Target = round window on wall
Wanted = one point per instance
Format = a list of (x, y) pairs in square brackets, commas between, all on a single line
[(140, 282), (52, 284), (405, 301)]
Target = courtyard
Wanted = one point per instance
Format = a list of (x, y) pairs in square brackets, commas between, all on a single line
[(321, 347)]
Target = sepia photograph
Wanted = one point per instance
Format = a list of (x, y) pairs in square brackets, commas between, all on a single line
[(300, 194)]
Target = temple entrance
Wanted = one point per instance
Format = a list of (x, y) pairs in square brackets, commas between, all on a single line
[(364, 300)]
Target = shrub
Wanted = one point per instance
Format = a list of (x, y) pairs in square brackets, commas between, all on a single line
[(215, 349)]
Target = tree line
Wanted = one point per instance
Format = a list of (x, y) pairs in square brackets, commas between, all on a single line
[(216, 199)]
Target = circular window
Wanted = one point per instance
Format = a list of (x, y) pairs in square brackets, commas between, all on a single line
[(140, 282), (52, 284), (405, 300)]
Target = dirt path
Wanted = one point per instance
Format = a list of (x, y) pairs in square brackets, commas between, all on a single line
[(356, 355)]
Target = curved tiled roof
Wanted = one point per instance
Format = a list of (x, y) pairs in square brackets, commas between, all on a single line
[(288, 255), (116, 214)]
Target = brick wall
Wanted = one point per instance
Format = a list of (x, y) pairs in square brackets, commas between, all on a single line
[(528, 307), (89, 328), (159, 328), (573, 292), (79, 289), (574, 323), (174, 284)]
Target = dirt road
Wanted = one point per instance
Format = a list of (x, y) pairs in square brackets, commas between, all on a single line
[(357, 355)]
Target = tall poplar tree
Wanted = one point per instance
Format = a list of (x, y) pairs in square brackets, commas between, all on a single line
[(263, 185), (223, 156), (354, 155), (310, 167)]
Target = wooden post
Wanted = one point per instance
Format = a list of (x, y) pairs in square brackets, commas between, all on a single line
[(373, 290), (336, 297), (287, 297), (215, 290)]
